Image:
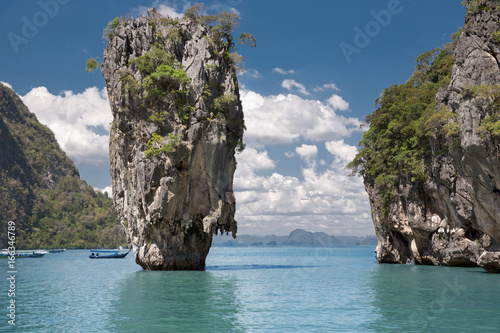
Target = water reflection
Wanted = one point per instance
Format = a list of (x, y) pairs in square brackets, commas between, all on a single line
[(176, 301), (247, 267), (434, 299)]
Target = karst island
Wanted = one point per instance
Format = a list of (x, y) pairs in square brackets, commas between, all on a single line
[(177, 124)]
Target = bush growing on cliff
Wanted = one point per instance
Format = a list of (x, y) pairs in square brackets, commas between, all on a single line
[(155, 146), (490, 127), (222, 27), (222, 103), (110, 30), (91, 65), (162, 75)]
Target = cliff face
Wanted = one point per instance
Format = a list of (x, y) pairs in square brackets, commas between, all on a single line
[(453, 218), (41, 191), (177, 122)]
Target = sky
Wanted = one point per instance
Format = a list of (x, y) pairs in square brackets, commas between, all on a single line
[(318, 67)]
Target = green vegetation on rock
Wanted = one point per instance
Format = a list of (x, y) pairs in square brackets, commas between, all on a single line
[(156, 147), (222, 103), (163, 77), (222, 28), (91, 64), (397, 145), (490, 127), (110, 30)]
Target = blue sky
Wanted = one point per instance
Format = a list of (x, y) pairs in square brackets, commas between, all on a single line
[(317, 70)]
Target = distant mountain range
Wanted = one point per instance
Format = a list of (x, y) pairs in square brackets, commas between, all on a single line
[(298, 237)]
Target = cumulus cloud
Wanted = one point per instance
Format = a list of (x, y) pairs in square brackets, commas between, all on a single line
[(6, 84), (307, 152), (338, 103), (294, 85), (107, 190), (282, 71), (166, 10), (177, 8), (324, 197), (80, 122), (172, 9), (253, 160), (342, 152), (288, 118), (279, 203)]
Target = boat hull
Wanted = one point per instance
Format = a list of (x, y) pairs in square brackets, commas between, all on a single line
[(108, 256)]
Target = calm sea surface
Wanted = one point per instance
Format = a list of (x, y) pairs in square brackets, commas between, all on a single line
[(270, 289)]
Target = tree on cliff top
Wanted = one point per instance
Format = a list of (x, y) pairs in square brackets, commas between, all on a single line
[(223, 26)]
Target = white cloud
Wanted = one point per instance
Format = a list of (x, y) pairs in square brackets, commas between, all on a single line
[(219, 7), (288, 118), (292, 84), (251, 73), (324, 198), (80, 122), (177, 8), (279, 203), (342, 152), (282, 71), (307, 152), (168, 11), (6, 84), (338, 103), (253, 160), (106, 190), (331, 86), (170, 8)]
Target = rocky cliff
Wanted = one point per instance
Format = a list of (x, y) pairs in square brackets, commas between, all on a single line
[(177, 122), (41, 191), (452, 216)]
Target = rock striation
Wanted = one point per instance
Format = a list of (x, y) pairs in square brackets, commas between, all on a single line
[(453, 219), (177, 122)]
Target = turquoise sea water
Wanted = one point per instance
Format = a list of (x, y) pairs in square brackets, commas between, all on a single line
[(266, 289)]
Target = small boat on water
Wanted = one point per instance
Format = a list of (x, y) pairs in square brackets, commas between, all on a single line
[(4, 254), (108, 254)]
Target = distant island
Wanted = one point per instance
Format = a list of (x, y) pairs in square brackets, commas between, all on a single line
[(298, 237)]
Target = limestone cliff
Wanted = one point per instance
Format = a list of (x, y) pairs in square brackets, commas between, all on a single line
[(453, 217), (178, 119)]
